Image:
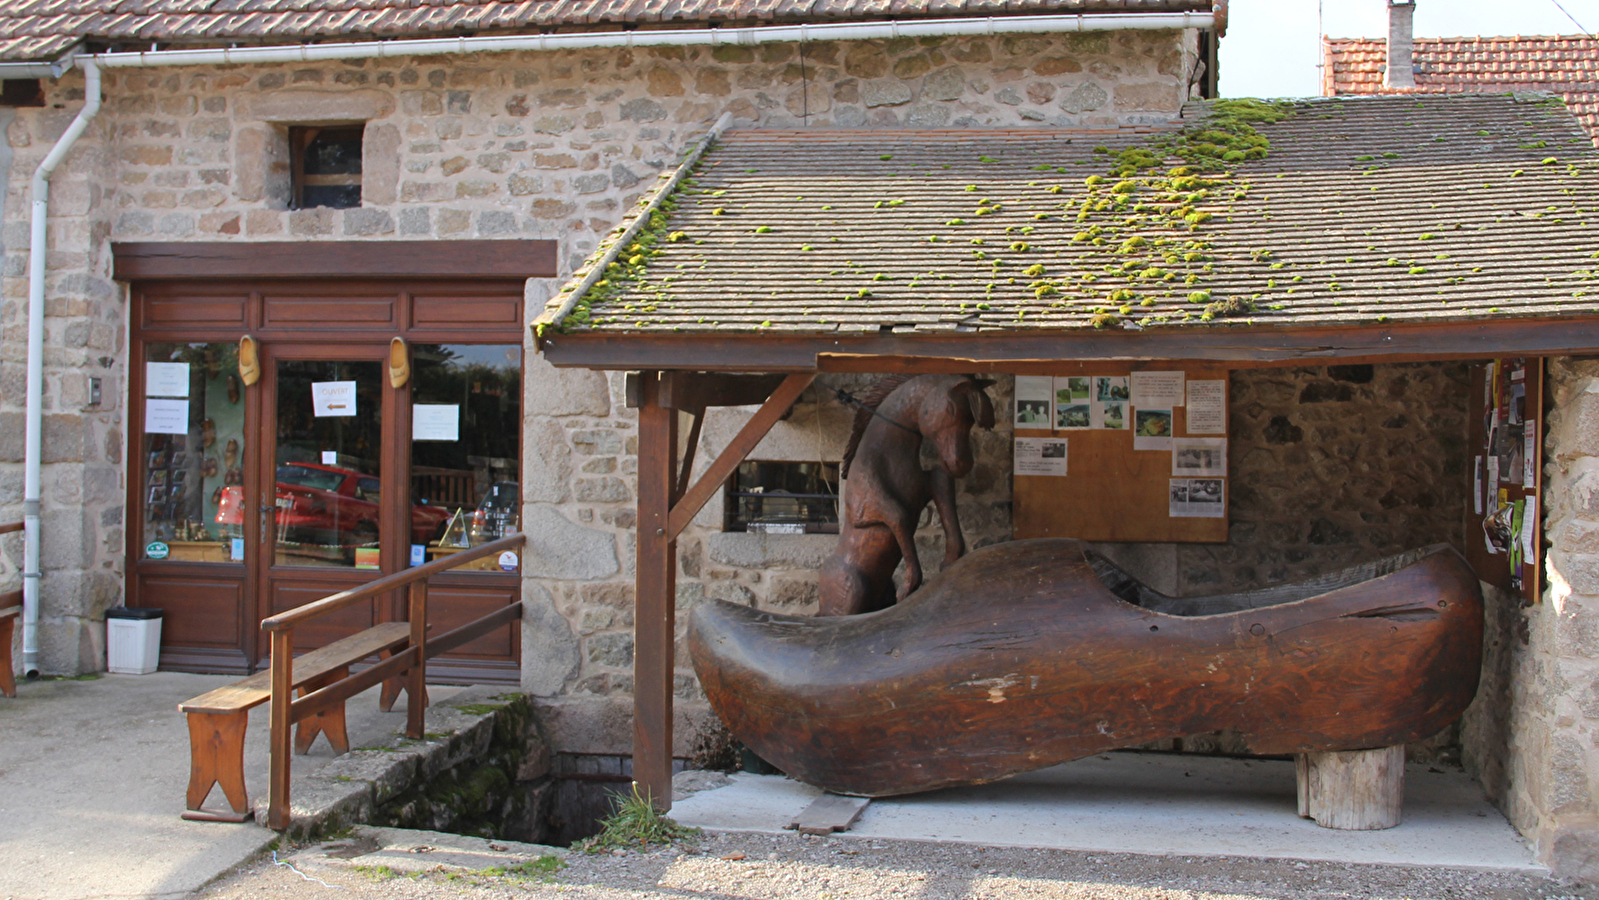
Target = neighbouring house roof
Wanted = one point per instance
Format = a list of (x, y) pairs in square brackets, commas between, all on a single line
[(1567, 65), (1363, 211), (44, 29)]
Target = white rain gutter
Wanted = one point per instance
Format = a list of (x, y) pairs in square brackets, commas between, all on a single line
[(767, 34), (38, 248), (762, 34)]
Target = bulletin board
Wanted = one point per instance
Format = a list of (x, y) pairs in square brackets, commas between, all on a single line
[(1110, 489), (1504, 533)]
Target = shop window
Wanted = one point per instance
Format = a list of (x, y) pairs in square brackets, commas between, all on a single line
[(325, 166), (466, 444), (783, 498), (193, 453)]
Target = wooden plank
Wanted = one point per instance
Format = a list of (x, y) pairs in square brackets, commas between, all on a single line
[(10, 603), (690, 391), (655, 591), (775, 407), (999, 351), (471, 631), (340, 691), (416, 676), (139, 260), (248, 692), (829, 813), (11, 527), (1112, 492), (278, 729)]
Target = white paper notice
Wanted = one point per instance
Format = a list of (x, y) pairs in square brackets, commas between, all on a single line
[(1529, 456), (1529, 527), (1041, 456), (330, 457), (166, 379), (1193, 457), (166, 417), (1207, 407), (333, 398), (1476, 486), (1197, 498), (435, 422), (1034, 396), (1151, 429), (1493, 477), (1152, 389)]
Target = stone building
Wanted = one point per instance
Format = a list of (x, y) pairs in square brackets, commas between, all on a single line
[(442, 184)]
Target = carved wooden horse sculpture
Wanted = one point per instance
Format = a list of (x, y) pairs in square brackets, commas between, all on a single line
[(890, 488)]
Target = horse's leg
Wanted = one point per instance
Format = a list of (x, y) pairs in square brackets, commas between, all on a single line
[(855, 578), (904, 530), (943, 489)]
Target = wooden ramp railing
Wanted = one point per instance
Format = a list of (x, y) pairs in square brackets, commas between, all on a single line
[(10, 608), (286, 710)]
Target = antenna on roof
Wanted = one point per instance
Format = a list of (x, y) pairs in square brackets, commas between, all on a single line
[(1573, 19)]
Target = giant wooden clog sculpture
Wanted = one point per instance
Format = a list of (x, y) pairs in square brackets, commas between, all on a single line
[(1031, 653)]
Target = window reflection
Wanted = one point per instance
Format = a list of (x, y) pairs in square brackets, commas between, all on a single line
[(466, 444)]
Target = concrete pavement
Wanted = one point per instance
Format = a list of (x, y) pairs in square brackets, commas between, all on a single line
[(92, 781)]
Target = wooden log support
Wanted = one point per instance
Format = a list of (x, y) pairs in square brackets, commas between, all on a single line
[(416, 678), (654, 619), (278, 722), (1352, 790)]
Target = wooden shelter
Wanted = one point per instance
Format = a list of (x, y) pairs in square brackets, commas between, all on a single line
[(1241, 234)]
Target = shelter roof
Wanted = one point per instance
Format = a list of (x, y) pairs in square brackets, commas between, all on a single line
[(1564, 64), (1326, 213), (44, 29)]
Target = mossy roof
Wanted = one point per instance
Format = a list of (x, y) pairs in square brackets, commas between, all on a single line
[(1324, 212)]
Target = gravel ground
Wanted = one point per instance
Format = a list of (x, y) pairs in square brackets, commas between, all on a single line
[(795, 867)]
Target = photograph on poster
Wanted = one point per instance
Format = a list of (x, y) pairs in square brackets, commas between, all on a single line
[(1197, 498), (1111, 387), (1114, 416), (1074, 415), (1152, 429), (1071, 389)]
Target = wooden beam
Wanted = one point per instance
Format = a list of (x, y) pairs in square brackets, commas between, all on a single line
[(691, 391), (1002, 351), (654, 622), (722, 466), (142, 261)]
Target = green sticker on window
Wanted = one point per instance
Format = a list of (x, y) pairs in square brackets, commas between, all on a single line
[(156, 550)]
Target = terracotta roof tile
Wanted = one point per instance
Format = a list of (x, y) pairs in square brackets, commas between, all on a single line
[(43, 29), (1366, 210), (1565, 64)]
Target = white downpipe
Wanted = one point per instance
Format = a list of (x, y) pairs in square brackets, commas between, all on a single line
[(826, 31), (765, 34), (38, 248)]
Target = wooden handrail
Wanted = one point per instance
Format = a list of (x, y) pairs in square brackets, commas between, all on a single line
[(9, 527), (387, 583)]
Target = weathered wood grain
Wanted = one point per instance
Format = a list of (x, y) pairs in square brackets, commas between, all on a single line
[(1018, 657)]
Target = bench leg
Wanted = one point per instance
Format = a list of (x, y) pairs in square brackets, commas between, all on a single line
[(329, 722), (392, 688), (216, 756), (1354, 790), (8, 681)]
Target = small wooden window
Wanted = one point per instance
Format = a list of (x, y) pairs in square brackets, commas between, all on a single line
[(783, 498), (325, 163)]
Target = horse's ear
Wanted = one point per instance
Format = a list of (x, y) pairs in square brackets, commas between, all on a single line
[(982, 406), (984, 383)]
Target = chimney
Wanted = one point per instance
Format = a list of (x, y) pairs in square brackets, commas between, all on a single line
[(1401, 72)]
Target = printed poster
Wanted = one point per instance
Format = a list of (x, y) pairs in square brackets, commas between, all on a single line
[(166, 416), (1157, 390), (435, 422), (1072, 409), (333, 398), (1207, 407), (1195, 457), (1198, 498), (1041, 456), (1034, 398), (1109, 407)]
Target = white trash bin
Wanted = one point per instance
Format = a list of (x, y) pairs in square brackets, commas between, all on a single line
[(132, 639)]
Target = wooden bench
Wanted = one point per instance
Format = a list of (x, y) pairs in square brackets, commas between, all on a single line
[(217, 719), (10, 611)]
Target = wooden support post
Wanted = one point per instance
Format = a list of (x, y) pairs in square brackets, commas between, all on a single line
[(1354, 790), (654, 616), (416, 678), (278, 739)]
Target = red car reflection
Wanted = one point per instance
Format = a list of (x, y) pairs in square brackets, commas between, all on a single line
[(330, 505)]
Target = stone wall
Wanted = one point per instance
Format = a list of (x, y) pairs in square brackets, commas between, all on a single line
[(1532, 735), (496, 146)]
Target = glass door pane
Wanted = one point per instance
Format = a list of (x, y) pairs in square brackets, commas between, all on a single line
[(466, 443), (328, 464)]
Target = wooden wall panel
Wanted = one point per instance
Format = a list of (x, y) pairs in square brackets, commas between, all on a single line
[(323, 312), (460, 312), (452, 605), (1112, 492), (323, 630), (199, 611), (166, 310)]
